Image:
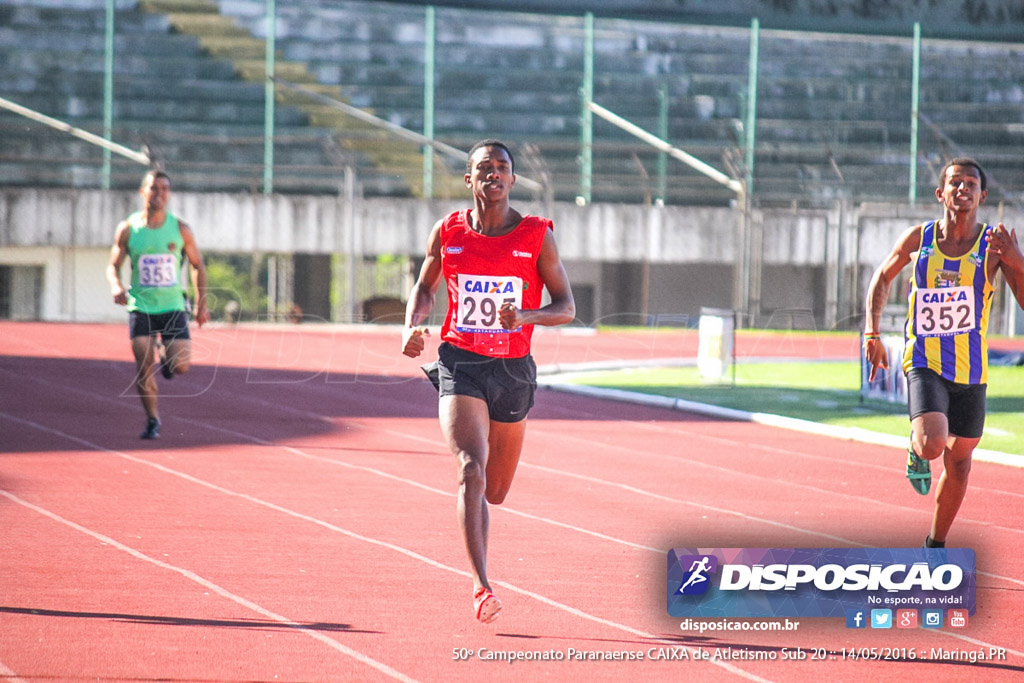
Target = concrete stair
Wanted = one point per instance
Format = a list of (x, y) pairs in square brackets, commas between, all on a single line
[(222, 37), (821, 98)]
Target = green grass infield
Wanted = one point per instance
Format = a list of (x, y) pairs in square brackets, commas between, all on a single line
[(828, 393)]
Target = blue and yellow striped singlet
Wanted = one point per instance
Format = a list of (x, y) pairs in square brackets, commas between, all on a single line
[(947, 317)]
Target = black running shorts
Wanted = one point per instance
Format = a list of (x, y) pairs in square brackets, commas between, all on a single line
[(962, 404), (170, 325), (507, 385)]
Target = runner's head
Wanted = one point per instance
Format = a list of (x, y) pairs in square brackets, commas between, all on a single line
[(965, 162), (962, 185), (490, 172), (490, 142), (152, 175), (155, 190)]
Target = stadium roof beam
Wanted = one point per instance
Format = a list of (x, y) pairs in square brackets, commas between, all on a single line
[(140, 157), (396, 130), (659, 144)]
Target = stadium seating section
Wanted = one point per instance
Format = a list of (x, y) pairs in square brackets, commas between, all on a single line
[(833, 111)]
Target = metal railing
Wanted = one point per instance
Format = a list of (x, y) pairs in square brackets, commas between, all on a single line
[(814, 111)]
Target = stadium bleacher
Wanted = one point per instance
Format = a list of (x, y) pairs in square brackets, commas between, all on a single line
[(833, 110), (170, 98)]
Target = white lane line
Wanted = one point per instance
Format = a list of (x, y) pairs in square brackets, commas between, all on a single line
[(331, 527), (664, 429), (590, 479), (587, 478), (9, 675), (435, 442), (223, 592), (335, 422), (657, 496), (381, 473), (768, 419), (678, 428), (738, 473), (700, 506), (413, 483)]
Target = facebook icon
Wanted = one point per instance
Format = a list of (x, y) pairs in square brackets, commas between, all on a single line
[(856, 618)]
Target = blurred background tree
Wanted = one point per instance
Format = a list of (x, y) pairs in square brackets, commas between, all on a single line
[(235, 277)]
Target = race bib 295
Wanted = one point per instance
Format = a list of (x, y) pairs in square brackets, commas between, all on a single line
[(481, 297)]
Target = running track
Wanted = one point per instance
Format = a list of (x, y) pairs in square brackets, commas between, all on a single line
[(296, 521)]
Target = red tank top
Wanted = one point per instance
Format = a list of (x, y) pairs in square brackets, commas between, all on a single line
[(481, 273)]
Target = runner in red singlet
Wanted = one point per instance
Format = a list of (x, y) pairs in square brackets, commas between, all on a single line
[(495, 263)]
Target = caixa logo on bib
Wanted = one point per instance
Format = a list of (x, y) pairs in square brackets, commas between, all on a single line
[(816, 582)]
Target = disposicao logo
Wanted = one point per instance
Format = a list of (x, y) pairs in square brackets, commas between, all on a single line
[(818, 582), (696, 580)]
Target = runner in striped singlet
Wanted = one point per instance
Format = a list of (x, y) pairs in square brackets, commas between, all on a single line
[(956, 260)]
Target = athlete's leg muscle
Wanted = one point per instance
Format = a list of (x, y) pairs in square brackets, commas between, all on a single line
[(931, 434), (179, 355), (952, 485), (505, 444), (143, 348), (465, 423)]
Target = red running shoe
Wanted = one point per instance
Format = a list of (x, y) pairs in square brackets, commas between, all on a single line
[(486, 604)]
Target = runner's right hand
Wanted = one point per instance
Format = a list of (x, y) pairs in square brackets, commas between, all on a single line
[(876, 354), (413, 342)]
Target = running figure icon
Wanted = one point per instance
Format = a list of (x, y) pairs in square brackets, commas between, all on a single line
[(697, 573)]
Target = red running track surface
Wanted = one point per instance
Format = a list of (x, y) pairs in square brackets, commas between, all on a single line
[(296, 521)]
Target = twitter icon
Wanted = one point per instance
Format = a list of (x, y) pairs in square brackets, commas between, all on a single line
[(881, 618)]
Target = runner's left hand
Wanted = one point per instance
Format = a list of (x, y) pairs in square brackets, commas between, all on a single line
[(202, 316), (1004, 242), (510, 316)]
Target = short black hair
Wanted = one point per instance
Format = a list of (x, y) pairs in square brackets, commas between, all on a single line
[(963, 161), (489, 142), (155, 173)]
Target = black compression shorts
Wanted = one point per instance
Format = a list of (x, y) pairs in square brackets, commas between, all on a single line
[(507, 385), (170, 325), (962, 404)]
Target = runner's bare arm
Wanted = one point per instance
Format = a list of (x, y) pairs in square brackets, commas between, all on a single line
[(1004, 243), (878, 294), (195, 258), (421, 297), (562, 308), (118, 253)]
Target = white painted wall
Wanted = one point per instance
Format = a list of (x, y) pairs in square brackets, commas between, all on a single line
[(69, 233), (74, 282)]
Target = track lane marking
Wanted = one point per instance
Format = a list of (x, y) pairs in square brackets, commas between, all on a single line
[(206, 583), (331, 527), (435, 442)]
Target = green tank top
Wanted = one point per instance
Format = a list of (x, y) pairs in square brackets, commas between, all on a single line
[(156, 255)]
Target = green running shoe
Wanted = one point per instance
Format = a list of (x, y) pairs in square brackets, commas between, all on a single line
[(919, 472)]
